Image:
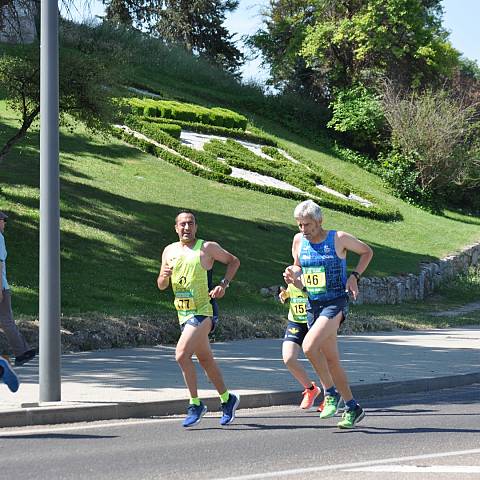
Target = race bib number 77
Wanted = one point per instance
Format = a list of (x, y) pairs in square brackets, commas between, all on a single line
[(184, 303)]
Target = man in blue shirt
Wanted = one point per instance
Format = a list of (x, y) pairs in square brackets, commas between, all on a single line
[(22, 351)]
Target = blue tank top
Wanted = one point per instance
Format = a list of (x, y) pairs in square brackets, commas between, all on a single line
[(324, 272)]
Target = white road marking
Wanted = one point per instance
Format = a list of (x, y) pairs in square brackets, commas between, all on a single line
[(418, 469), (20, 431), (343, 466)]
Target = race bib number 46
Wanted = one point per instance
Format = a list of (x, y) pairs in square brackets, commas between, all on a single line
[(184, 303), (314, 280)]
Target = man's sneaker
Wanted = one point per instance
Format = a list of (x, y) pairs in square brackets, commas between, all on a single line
[(351, 417), (25, 357), (194, 414), (330, 406), (340, 407), (309, 397), (9, 376), (229, 409)]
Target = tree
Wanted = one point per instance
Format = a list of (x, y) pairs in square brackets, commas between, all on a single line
[(280, 41), (85, 75), (330, 44), (139, 14), (17, 20), (358, 41), (196, 25), (436, 147)]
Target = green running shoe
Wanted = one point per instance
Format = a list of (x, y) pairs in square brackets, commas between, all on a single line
[(330, 406), (351, 417)]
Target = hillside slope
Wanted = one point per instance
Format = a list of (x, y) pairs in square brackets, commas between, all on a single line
[(118, 206)]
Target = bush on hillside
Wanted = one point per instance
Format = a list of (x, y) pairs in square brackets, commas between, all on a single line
[(436, 142), (357, 113), (258, 137), (187, 112)]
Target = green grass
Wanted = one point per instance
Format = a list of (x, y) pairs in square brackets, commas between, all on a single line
[(118, 205)]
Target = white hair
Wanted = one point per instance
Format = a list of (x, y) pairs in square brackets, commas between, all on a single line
[(308, 208)]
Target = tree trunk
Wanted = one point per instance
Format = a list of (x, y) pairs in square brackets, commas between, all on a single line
[(19, 135)]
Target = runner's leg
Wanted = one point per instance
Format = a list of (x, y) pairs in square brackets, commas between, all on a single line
[(204, 354), (290, 351), (312, 347), (330, 349), (190, 340)]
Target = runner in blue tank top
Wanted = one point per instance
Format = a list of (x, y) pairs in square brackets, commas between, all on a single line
[(320, 269)]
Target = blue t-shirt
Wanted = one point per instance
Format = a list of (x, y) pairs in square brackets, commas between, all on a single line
[(324, 272), (3, 259)]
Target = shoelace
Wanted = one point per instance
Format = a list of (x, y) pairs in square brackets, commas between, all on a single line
[(192, 409), (348, 415), (330, 400)]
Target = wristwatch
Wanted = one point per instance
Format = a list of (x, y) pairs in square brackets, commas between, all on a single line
[(356, 275), (225, 283)]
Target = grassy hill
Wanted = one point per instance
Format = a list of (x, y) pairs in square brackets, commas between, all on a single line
[(118, 205)]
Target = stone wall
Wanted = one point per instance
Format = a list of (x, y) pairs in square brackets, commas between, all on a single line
[(402, 288)]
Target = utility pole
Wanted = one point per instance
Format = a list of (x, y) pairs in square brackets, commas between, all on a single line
[(49, 288)]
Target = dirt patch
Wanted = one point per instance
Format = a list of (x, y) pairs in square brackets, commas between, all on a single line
[(468, 308), (95, 332)]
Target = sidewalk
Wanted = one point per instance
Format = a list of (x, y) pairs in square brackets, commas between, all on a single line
[(139, 382)]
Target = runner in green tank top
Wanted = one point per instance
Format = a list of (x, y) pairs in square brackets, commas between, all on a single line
[(295, 333), (187, 266)]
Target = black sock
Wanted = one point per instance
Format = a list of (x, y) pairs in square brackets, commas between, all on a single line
[(311, 387)]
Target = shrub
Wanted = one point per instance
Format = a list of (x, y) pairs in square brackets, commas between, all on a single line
[(259, 137), (188, 112), (358, 113), (239, 156), (437, 136)]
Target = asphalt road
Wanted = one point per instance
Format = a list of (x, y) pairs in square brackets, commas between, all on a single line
[(415, 436)]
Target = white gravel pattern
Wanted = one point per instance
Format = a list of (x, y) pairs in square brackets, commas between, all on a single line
[(197, 141)]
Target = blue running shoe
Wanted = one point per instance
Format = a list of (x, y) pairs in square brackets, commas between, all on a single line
[(194, 414), (229, 409), (9, 377)]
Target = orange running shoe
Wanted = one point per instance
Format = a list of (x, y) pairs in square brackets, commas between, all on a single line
[(309, 397), (320, 407)]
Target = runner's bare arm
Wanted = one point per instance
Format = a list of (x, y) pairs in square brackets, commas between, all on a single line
[(219, 254), (348, 243), (293, 272), (163, 280)]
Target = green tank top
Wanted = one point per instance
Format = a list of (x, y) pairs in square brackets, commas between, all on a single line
[(190, 285), (298, 304)]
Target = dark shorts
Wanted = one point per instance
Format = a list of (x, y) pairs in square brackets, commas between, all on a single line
[(295, 332), (329, 309), (196, 320)]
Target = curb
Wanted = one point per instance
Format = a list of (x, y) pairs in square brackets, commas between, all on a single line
[(57, 414)]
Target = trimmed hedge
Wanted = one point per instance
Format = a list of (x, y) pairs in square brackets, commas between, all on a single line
[(298, 176), (152, 131), (187, 112), (237, 155), (214, 130)]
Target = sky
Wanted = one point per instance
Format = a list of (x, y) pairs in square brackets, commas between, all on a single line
[(461, 19)]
